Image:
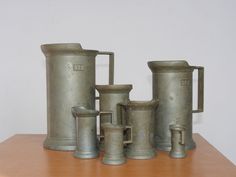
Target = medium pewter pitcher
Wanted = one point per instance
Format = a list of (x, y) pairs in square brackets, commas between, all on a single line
[(172, 85), (70, 71), (109, 97)]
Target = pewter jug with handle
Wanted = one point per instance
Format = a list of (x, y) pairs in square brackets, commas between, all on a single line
[(172, 85), (70, 72)]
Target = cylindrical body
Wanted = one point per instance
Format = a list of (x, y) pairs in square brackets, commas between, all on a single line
[(177, 141), (70, 74), (113, 149), (172, 85), (140, 116), (86, 133), (109, 97)]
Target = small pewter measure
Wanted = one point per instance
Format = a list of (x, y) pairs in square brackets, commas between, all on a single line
[(114, 144), (177, 141), (86, 133)]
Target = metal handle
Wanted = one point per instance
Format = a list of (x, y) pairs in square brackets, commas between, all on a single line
[(122, 116), (200, 89), (131, 134), (111, 65), (100, 113), (182, 141)]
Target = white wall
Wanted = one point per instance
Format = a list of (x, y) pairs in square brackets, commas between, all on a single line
[(202, 32)]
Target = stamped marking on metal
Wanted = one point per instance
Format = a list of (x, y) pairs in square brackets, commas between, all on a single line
[(185, 82), (78, 67)]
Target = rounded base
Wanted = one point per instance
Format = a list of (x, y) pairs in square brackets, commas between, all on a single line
[(163, 146), (132, 154), (177, 155), (86, 155), (59, 144), (109, 161)]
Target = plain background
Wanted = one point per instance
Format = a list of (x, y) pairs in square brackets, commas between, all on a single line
[(203, 32)]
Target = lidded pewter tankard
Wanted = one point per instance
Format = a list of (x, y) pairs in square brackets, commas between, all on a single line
[(70, 71), (172, 85)]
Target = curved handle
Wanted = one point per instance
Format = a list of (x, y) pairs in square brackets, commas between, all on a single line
[(131, 134), (111, 65), (200, 89)]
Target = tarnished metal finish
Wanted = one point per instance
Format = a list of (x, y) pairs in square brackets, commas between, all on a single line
[(86, 133), (172, 85), (177, 141), (70, 74), (114, 144), (109, 97), (140, 116)]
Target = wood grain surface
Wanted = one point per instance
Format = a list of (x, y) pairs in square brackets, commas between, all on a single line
[(24, 156)]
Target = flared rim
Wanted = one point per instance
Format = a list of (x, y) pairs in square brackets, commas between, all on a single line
[(114, 88), (142, 104), (177, 127), (78, 111)]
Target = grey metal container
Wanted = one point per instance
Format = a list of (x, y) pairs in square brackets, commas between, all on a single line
[(109, 97), (177, 141), (86, 133), (140, 115), (70, 74), (114, 144), (172, 85)]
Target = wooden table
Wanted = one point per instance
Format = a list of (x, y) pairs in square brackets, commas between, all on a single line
[(24, 156)]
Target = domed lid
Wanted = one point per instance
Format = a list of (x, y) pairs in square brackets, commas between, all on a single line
[(169, 65), (65, 48)]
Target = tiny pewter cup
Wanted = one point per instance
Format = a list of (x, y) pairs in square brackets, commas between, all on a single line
[(177, 141), (86, 135), (114, 144), (140, 116)]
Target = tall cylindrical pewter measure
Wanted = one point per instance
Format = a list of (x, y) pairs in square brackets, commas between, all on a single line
[(86, 133), (70, 74), (172, 85), (140, 115), (109, 97)]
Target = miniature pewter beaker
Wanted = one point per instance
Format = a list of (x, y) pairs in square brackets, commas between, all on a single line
[(109, 97), (172, 85), (86, 139), (140, 115), (114, 144), (177, 141), (70, 71)]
